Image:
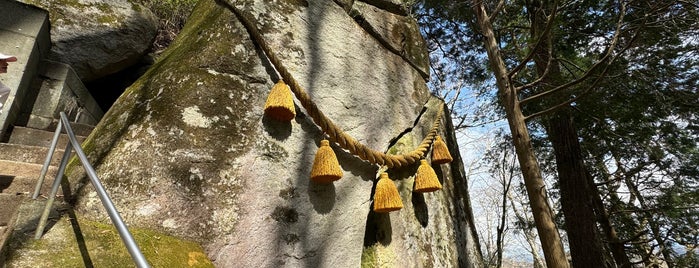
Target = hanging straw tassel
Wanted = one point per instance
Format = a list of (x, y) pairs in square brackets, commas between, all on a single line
[(440, 152), (425, 179), (386, 198), (326, 169), (280, 103)]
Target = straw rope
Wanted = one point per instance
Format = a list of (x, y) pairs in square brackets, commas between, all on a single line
[(335, 134)]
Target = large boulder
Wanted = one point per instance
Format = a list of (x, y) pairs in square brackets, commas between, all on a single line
[(187, 151), (98, 37)]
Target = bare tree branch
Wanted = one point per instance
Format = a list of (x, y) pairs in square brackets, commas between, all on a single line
[(689, 3), (657, 209), (633, 239)]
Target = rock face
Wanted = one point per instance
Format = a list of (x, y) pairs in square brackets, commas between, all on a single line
[(98, 37), (187, 151)]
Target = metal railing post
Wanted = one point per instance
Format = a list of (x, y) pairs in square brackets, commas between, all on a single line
[(54, 190), (47, 162), (118, 222)]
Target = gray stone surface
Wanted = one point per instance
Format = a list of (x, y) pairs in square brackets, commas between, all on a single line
[(399, 33), (222, 174), (24, 33), (187, 151), (394, 6), (346, 4), (98, 37)]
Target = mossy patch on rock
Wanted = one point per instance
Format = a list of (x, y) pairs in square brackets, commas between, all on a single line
[(60, 248), (378, 256)]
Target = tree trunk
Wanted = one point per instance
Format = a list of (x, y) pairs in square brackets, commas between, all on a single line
[(576, 196), (654, 228), (614, 242), (529, 236), (642, 250), (586, 248), (536, 259), (507, 175), (534, 183)]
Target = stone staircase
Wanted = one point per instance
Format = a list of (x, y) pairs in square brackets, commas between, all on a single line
[(41, 89), (21, 160)]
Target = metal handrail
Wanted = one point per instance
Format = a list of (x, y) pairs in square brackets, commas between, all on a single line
[(118, 222)]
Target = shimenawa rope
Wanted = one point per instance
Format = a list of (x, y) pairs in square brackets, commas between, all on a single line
[(335, 134)]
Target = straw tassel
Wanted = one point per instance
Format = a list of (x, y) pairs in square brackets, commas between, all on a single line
[(386, 198), (440, 152), (280, 103), (326, 169), (426, 179)]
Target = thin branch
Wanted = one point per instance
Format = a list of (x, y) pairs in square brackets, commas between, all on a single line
[(567, 61), (549, 25), (482, 124), (689, 3), (571, 72), (637, 236), (564, 86), (566, 103), (541, 77), (460, 125), (653, 209), (610, 181), (498, 8), (586, 91), (610, 50), (645, 258)]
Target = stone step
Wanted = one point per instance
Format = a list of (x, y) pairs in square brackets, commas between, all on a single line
[(25, 185), (21, 178), (78, 128), (19, 169), (37, 137), (10, 203), (24, 219), (8, 216), (29, 154)]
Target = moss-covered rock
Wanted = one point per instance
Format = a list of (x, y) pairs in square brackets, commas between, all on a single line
[(379, 256), (187, 150), (99, 245)]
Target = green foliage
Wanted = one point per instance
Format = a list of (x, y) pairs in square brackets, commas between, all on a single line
[(458, 64), (636, 116), (643, 122)]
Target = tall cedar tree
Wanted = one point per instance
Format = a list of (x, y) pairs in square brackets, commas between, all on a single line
[(582, 62)]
